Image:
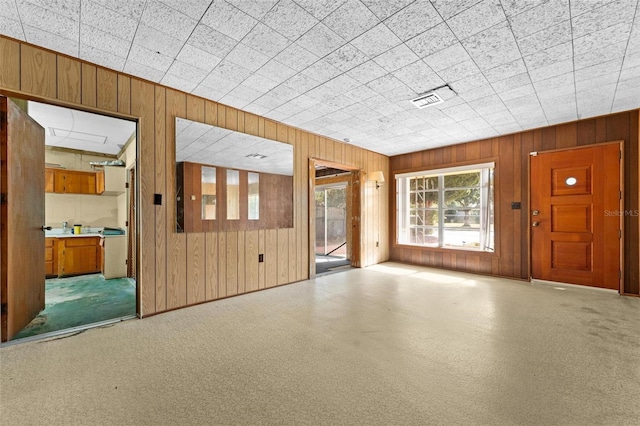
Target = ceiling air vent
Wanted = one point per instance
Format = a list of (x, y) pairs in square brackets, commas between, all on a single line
[(427, 100)]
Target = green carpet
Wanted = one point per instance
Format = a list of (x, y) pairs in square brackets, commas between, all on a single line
[(82, 300)]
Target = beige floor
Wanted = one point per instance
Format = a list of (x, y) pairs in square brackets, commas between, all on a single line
[(389, 345)]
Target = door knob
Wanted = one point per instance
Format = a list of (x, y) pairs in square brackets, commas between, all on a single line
[(46, 228), (535, 212), (534, 223)]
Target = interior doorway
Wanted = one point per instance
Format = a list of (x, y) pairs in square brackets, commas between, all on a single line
[(576, 216), (87, 230), (334, 211)]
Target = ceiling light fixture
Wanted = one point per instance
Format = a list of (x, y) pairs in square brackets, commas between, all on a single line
[(434, 96)]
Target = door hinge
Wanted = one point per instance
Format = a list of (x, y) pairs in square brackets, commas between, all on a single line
[(3, 198), (620, 157), (3, 309), (533, 154), (126, 185), (620, 233), (621, 195), (619, 274)]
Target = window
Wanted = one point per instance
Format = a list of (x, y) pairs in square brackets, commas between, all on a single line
[(233, 195), (208, 193), (447, 208), (254, 195)]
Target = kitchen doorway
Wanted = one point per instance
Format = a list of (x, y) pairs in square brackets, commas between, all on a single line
[(89, 220)]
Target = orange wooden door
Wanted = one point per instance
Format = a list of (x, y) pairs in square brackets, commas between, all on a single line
[(22, 237), (575, 216)]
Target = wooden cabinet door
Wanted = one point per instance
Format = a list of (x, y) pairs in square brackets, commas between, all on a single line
[(50, 251), (49, 177), (79, 255), (75, 182)]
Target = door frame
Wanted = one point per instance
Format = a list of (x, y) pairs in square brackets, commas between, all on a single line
[(620, 143), (136, 186), (354, 193)]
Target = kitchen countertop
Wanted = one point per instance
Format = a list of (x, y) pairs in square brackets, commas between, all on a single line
[(91, 232)]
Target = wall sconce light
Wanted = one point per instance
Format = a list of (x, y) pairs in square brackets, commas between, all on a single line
[(376, 176)]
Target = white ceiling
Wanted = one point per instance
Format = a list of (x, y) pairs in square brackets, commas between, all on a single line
[(348, 68), (85, 131)]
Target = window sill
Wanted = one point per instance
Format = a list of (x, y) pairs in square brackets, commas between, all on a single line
[(469, 250)]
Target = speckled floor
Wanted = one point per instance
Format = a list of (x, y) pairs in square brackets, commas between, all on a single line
[(386, 345), (81, 300)]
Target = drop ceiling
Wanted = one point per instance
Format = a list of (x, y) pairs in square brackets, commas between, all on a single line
[(348, 69)]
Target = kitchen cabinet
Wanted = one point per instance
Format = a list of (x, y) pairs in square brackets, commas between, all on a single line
[(79, 255), (70, 181), (111, 180), (50, 256)]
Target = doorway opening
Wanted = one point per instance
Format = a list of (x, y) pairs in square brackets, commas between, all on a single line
[(89, 222), (335, 221)]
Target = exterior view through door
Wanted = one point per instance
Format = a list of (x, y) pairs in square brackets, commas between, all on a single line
[(576, 223)]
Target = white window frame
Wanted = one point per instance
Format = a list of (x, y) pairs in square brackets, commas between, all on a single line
[(403, 209)]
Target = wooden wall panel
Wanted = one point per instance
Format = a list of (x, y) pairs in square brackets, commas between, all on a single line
[(10, 65), (107, 90), (90, 85), (142, 105), (69, 80), (176, 270), (512, 184), (38, 74)]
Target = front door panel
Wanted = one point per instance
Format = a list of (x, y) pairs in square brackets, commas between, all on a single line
[(575, 231)]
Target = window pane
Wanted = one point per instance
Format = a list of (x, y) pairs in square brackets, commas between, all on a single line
[(462, 198), (462, 180), (233, 194), (208, 177), (254, 195), (462, 237)]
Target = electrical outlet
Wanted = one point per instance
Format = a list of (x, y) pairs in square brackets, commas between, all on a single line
[(377, 244), (260, 258)]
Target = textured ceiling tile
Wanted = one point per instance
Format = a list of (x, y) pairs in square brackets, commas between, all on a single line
[(482, 93), (9, 10), (470, 83), (296, 57), (213, 93), (515, 7), (414, 19), (321, 40), (265, 40), (599, 55), (40, 18), (104, 41), (321, 71), (301, 82), (351, 19), (187, 72), (512, 82), (346, 58), (476, 19), (546, 15), (192, 8), (289, 19), (614, 34), (498, 36), (227, 71), (342, 84), (167, 20), (579, 7), (320, 9), (157, 41), (143, 71), (396, 58), (149, 58), (108, 20), (376, 40), (505, 71), (400, 94), (256, 9), (67, 8), (595, 82), (448, 8), (549, 56), (447, 57), (246, 57), (459, 71), (554, 83), (131, 8), (101, 57), (497, 57), (419, 77), (384, 83), (432, 41), (629, 73), (51, 41), (228, 20), (487, 105), (517, 93), (211, 41), (259, 82), (384, 9), (552, 70), (500, 118), (246, 93), (11, 28), (178, 82), (198, 57), (276, 71), (367, 72), (603, 17), (609, 67), (546, 38)]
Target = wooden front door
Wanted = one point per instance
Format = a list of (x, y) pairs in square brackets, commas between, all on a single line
[(575, 216), (22, 214)]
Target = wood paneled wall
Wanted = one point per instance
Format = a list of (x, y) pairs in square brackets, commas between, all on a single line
[(177, 270), (511, 154)]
